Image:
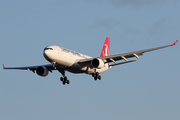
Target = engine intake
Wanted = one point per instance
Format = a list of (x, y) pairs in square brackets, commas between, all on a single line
[(97, 63), (42, 71)]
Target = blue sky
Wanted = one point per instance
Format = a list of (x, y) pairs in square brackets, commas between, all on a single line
[(146, 89)]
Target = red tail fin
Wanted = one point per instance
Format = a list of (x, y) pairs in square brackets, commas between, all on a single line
[(106, 48)]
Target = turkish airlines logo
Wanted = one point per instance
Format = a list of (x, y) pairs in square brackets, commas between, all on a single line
[(106, 50)]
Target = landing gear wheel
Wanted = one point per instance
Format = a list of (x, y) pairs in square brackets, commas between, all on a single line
[(99, 77), (61, 78), (64, 82), (68, 81), (92, 74), (95, 78), (65, 78)]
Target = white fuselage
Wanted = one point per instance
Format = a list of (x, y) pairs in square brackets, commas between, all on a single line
[(67, 59)]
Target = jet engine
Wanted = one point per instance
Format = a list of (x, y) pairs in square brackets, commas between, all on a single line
[(97, 63), (42, 71)]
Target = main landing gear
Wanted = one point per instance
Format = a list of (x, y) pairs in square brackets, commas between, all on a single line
[(96, 76), (64, 78)]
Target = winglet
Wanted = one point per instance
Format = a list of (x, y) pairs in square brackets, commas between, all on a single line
[(4, 66), (175, 42)]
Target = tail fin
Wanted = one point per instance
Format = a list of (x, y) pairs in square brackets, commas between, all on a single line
[(106, 48)]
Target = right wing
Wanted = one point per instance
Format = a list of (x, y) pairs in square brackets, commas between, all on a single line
[(114, 58), (32, 68)]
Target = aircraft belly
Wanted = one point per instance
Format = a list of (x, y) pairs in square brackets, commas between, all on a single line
[(76, 68)]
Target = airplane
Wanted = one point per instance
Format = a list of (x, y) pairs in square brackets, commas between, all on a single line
[(63, 59)]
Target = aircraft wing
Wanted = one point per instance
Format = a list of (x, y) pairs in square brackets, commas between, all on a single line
[(32, 68), (114, 58)]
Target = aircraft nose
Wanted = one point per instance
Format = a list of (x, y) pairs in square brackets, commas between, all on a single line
[(47, 55)]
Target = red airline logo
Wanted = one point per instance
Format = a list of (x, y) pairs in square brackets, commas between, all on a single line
[(106, 48)]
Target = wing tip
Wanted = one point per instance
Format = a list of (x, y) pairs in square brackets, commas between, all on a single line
[(175, 43), (4, 66)]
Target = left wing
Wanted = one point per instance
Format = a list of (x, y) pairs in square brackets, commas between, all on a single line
[(114, 58)]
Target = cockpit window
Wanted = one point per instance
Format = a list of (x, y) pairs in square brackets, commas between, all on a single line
[(48, 49)]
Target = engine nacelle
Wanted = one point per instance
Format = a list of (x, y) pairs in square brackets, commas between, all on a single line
[(42, 71), (97, 63)]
